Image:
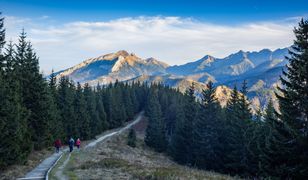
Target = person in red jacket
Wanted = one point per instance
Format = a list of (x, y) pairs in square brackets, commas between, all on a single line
[(78, 143), (58, 145)]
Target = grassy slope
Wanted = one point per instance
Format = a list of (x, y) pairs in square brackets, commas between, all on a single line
[(113, 159)]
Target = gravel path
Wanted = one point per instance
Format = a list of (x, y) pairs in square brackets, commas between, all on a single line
[(138, 118)]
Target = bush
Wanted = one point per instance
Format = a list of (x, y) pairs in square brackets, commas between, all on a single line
[(131, 138)]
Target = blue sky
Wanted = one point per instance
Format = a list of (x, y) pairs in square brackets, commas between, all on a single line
[(223, 11), (65, 32)]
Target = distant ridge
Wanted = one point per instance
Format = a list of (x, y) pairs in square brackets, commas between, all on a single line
[(261, 69)]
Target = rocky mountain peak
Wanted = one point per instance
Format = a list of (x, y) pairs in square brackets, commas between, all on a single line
[(123, 53), (156, 62), (125, 58), (206, 61)]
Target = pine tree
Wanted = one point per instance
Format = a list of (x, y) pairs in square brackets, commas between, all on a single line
[(182, 140), (231, 131), (135, 102), (14, 145), (269, 142), (177, 148), (91, 110), (82, 123), (100, 109), (56, 125), (155, 131), (36, 96), (116, 107), (237, 155), (207, 145), (66, 96), (170, 116), (127, 99), (293, 103), (248, 126), (257, 145)]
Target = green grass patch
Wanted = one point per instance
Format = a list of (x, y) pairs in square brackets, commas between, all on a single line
[(71, 175), (69, 169)]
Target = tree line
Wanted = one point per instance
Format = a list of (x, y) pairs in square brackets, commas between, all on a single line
[(231, 139)]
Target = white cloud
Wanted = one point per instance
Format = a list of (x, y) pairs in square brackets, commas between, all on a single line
[(174, 40)]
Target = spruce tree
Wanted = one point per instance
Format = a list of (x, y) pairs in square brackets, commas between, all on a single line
[(14, 145), (100, 109), (91, 110), (269, 143), (178, 145), (257, 145), (66, 96), (170, 116), (231, 131), (20, 114), (155, 131), (82, 122), (293, 101), (182, 140), (134, 97), (116, 107), (238, 119), (36, 97), (56, 125), (15, 139), (207, 145), (247, 126), (127, 99)]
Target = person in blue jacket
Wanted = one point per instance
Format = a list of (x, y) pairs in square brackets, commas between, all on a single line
[(71, 143)]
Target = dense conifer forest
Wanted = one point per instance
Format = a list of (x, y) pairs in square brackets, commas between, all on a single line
[(198, 132)]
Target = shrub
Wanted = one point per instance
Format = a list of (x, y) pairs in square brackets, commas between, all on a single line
[(131, 138)]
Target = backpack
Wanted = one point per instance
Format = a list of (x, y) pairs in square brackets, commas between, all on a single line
[(71, 142)]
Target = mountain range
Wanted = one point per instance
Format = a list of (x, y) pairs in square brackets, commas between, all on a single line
[(261, 69)]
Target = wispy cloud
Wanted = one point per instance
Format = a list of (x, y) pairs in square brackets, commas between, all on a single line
[(174, 40)]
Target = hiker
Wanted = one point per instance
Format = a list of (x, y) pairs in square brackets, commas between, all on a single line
[(58, 145), (71, 143), (78, 143)]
